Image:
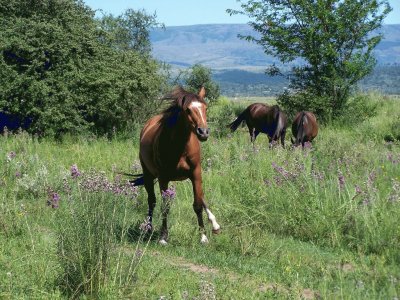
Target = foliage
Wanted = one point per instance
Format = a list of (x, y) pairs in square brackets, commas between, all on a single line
[(223, 112), (198, 76), (130, 30), (59, 70), (88, 234), (332, 42)]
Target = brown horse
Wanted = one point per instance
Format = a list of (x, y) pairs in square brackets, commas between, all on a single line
[(170, 150), (263, 118), (304, 128)]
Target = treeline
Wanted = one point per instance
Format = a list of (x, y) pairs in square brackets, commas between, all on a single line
[(64, 71), (384, 78)]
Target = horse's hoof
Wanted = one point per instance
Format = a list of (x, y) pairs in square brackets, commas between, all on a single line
[(204, 239), (163, 242), (146, 227), (216, 231)]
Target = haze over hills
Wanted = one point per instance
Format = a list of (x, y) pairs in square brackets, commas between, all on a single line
[(218, 47), (238, 65)]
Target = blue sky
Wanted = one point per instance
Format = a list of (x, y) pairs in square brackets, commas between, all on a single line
[(191, 12)]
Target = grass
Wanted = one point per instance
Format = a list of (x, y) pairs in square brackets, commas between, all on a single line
[(318, 223)]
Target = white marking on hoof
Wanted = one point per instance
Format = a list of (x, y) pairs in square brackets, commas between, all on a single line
[(213, 220), (204, 239), (163, 242)]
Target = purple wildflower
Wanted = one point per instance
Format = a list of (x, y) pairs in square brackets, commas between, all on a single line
[(341, 180), (278, 180), (98, 182), (75, 172), (318, 175), (358, 189), (17, 174), (267, 182), (11, 155), (136, 167), (139, 253), (371, 178), (53, 199), (395, 194), (67, 188), (280, 170), (394, 160), (169, 193), (366, 202)]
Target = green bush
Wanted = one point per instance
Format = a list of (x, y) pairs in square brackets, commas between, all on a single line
[(64, 73), (293, 103), (358, 109), (222, 113)]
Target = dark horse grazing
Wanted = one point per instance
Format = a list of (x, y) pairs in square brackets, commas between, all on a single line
[(263, 118), (170, 150), (304, 127)]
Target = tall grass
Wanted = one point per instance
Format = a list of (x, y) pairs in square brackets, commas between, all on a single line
[(322, 218)]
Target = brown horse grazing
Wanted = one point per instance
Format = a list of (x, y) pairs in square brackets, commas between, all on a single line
[(263, 118), (170, 150), (304, 128)]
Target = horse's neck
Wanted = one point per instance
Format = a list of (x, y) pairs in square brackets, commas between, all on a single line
[(177, 134)]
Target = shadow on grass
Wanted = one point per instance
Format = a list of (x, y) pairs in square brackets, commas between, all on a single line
[(134, 234)]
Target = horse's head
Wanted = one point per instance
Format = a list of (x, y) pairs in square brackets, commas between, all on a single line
[(195, 112)]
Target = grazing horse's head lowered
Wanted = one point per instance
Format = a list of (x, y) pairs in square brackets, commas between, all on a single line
[(263, 118), (304, 128), (170, 150)]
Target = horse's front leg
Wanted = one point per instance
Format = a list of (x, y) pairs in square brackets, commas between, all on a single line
[(165, 207), (199, 204)]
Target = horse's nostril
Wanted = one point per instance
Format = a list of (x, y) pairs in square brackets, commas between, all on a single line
[(203, 132)]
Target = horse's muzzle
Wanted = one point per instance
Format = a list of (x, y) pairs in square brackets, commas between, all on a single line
[(203, 133)]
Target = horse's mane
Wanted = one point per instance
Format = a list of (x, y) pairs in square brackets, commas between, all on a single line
[(180, 99)]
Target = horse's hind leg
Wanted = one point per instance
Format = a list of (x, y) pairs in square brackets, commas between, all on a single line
[(199, 204), (165, 206), (151, 199), (283, 135)]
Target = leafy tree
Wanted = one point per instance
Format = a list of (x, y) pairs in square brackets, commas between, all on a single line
[(331, 41), (58, 69), (130, 30), (198, 76)]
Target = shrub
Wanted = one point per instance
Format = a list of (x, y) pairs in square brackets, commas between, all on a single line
[(91, 228)]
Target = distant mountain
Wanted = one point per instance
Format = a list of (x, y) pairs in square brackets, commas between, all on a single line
[(218, 47)]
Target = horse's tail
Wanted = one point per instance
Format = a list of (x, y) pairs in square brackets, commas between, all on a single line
[(300, 128), (136, 182), (279, 120), (235, 124)]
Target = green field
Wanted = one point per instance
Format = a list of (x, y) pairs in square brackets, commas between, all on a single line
[(299, 224)]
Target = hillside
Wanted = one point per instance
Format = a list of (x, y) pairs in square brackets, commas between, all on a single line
[(218, 47), (238, 66)]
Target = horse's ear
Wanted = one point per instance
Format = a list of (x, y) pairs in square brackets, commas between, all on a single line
[(181, 101), (202, 92)]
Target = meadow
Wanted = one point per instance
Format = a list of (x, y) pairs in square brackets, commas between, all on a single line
[(313, 223)]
